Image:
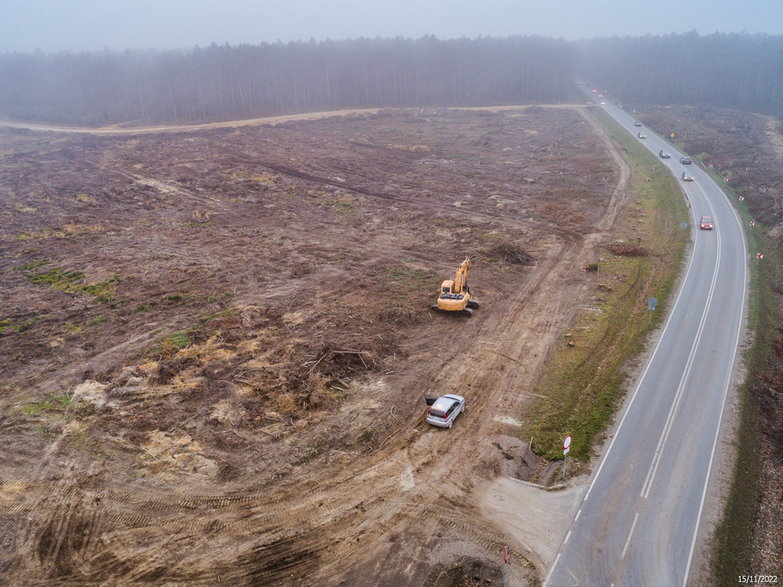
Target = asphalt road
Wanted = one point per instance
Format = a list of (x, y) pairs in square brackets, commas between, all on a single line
[(639, 520)]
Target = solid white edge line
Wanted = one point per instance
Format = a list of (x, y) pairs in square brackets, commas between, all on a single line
[(641, 379), (552, 568), (659, 450), (725, 390), (657, 344), (728, 383)]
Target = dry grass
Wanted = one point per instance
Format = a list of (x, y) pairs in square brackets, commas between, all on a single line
[(624, 249), (509, 253)]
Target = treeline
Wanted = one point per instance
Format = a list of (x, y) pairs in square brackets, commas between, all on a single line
[(739, 71), (226, 82), (222, 82)]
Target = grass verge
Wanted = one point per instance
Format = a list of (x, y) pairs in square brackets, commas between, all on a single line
[(584, 381)]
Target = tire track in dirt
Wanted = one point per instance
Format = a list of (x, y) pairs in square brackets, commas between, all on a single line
[(315, 514), (275, 552), (318, 530), (57, 552), (268, 557), (390, 469), (567, 235), (64, 537), (517, 341), (118, 130), (169, 188)]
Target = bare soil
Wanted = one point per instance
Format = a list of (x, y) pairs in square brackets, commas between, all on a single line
[(215, 343)]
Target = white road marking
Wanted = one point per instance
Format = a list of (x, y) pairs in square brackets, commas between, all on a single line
[(552, 568), (689, 365), (628, 541), (641, 379), (723, 405)]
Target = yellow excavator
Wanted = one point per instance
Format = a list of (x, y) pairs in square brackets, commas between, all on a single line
[(455, 293)]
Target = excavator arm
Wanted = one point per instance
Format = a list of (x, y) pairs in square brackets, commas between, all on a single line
[(461, 277)]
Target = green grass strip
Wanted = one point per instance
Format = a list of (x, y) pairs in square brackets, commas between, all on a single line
[(584, 381)]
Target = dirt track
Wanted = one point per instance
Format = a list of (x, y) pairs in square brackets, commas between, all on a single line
[(398, 504)]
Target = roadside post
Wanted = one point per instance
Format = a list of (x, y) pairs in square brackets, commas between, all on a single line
[(505, 566), (651, 306), (566, 450)]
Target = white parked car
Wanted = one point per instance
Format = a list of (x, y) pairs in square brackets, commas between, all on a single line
[(445, 410)]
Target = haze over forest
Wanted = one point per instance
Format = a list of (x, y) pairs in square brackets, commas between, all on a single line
[(220, 82), (197, 326)]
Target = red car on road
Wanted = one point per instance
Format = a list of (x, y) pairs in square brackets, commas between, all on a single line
[(706, 223)]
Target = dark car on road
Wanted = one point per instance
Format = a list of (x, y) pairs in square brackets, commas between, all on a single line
[(685, 160)]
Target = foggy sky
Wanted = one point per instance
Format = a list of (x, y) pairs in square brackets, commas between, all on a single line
[(55, 25)]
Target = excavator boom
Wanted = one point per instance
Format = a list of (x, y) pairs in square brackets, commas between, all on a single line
[(461, 277), (455, 294)]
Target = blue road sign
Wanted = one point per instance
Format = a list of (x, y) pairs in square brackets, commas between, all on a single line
[(651, 303)]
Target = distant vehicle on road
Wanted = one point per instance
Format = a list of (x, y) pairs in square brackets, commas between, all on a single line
[(445, 410), (641, 135), (603, 103), (686, 177), (664, 155), (685, 160), (637, 123), (706, 223)]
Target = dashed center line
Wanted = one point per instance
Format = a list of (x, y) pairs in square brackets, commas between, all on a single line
[(628, 541)]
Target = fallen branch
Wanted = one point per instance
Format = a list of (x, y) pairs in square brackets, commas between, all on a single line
[(316, 363), (360, 353)]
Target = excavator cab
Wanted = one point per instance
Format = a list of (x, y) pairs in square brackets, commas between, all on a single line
[(455, 293)]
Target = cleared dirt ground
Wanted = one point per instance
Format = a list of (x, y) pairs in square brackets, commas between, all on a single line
[(214, 344)]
